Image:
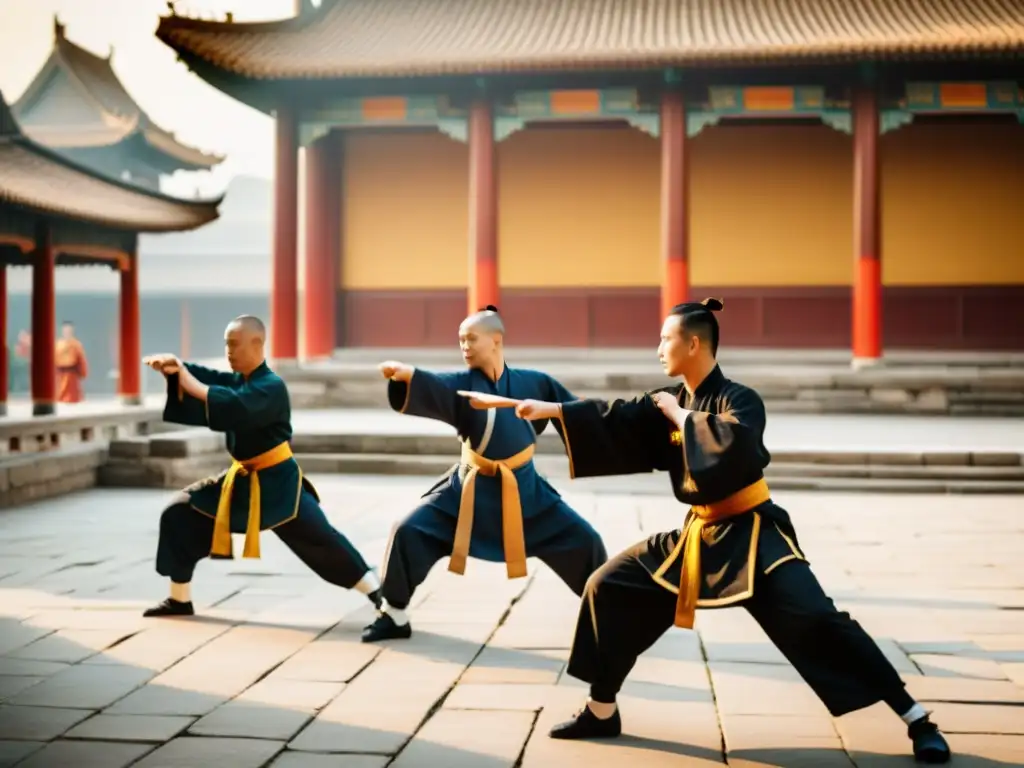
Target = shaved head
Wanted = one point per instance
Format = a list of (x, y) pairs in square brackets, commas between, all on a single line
[(244, 340), (481, 336), (486, 320), (250, 324)]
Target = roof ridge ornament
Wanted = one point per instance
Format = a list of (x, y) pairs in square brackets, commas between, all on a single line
[(58, 27)]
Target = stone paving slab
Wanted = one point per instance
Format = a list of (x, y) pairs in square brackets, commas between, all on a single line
[(273, 674)]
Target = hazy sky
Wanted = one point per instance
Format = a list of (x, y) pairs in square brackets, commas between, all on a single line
[(175, 98)]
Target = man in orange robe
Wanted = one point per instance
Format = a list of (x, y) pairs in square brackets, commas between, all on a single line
[(72, 366)]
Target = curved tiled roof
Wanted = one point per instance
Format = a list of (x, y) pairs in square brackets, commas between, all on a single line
[(95, 78), (34, 177), (381, 38)]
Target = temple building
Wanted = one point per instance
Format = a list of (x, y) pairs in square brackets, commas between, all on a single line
[(54, 212), (843, 174), (77, 106)]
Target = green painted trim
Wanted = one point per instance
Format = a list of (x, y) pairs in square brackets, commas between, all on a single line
[(647, 122), (838, 119), (1000, 96), (892, 119), (310, 132), (506, 125), (698, 120), (454, 127)]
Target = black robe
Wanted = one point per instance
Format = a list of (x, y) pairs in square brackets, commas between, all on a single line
[(720, 452)]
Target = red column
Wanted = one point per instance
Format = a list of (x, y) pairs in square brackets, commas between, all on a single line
[(130, 356), (4, 352), (44, 325), (483, 208), (867, 276), (675, 214), (323, 244), (284, 290)]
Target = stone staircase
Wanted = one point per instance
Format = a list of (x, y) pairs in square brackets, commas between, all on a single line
[(939, 472), (175, 459), (938, 390)]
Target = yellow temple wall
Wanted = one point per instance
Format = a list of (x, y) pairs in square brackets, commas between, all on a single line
[(771, 230), (771, 205)]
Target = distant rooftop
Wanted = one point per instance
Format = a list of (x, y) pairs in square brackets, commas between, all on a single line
[(77, 101)]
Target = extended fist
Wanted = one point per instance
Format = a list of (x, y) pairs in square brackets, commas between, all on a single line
[(165, 363), (669, 405), (532, 410), (396, 371)]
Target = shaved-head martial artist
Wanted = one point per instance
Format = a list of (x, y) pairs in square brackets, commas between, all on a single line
[(735, 548), (491, 504), (263, 489)]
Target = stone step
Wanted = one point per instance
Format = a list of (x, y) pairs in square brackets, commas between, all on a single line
[(815, 389), (812, 473), (791, 477), (446, 448)]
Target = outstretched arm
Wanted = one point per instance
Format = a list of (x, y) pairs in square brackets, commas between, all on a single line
[(607, 438), (417, 392)]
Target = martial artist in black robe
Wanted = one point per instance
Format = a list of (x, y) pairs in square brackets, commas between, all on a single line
[(491, 504), (263, 489), (736, 547)]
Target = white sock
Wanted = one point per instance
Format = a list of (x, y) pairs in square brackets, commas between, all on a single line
[(397, 614), (181, 592), (369, 583), (601, 709), (913, 714)]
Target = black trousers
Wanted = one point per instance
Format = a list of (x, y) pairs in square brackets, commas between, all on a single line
[(623, 613), (427, 535), (187, 535)]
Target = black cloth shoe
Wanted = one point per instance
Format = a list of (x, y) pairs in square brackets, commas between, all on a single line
[(929, 744), (586, 725), (170, 607), (384, 628)]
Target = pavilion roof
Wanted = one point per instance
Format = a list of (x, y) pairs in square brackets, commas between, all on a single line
[(34, 177), (118, 115), (389, 38)]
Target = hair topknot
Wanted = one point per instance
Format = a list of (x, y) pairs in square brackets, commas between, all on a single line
[(490, 308), (713, 304)]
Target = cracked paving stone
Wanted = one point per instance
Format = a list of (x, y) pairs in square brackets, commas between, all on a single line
[(153, 728), (187, 752), (37, 723), (86, 754)]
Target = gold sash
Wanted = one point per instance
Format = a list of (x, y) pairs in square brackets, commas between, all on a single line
[(742, 501), (513, 540), (222, 522)]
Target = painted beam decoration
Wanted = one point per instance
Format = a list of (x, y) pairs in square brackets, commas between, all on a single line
[(593, 104), (383, 111), (778, 101), (920, 98), (722, 102)]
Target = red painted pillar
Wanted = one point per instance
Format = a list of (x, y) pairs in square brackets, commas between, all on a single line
[(675, 214), (4, 352), (284, 289), (130, 356), (867, 276), (483, 208), (44, 325), (323, 245)]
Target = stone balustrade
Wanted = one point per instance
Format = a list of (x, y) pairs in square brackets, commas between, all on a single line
[(46, 456)]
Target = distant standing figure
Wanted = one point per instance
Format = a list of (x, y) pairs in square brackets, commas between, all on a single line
[(72, 365), (21, 363)]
